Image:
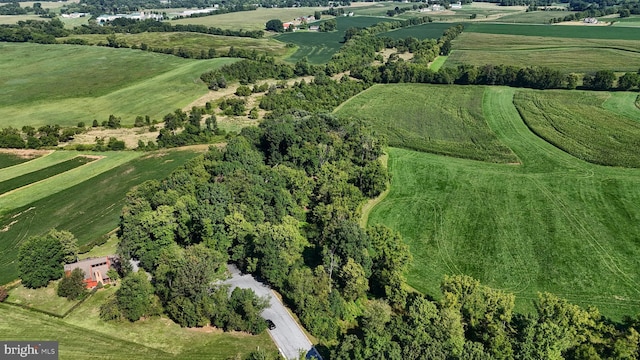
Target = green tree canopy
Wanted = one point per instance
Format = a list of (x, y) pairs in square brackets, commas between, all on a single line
[(275, 25), (40, 259)]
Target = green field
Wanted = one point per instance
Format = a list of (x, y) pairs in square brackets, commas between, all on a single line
[(534, 17), (564, 54), (318, 47), (554, 223), (576, 122), (624, 103), (442, 127), (424, 31), (13, 19), (44, 298), (89, 209), (561, 31), (250, 20), (42, 174), (192, 41), (7, 160), (65, 84), (438, 62), (83, 335)]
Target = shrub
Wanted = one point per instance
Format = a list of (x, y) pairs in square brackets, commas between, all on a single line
[(3, 293)]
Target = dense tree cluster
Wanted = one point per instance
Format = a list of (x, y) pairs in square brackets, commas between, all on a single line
[(473, 321), (247, 72), (72, 286), (321, 94), (281, 201), (43, 32), (192, 130), (41, 258)]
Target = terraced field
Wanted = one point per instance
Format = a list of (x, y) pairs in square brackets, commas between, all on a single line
[(86, 201), (554, 223), (8, 159), (83, 83)]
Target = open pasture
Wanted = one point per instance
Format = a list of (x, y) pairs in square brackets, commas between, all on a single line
[(533, 17), (13, 19), (318, 47), (632, 21), (564, 54), (65, 84), (424, 31), (192, 41), (554, 223), (8, 159), (578, 123), (42, 174), (250, 20), (157, 338), (452, 124), (89, 207), (577, 32)]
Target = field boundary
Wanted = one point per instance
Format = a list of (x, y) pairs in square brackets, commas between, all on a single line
[(371, 203), (59, 316)]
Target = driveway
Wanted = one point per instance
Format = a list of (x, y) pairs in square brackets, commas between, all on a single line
[(288, 335)]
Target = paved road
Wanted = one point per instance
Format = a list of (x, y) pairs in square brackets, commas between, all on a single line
[(288, 335)]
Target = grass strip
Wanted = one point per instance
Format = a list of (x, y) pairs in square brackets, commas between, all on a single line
[(32, 177)]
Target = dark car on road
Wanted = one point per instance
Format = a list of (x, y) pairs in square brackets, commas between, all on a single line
[(270, 324)]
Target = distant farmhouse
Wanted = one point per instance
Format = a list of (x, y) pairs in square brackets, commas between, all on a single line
[(590, 20), (95, 269), (456, 5)]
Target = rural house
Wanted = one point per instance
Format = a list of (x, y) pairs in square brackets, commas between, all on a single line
[(95, 269)]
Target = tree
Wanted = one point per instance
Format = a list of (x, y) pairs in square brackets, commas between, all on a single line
[(628, 81), (68, 242), (317, 15), (135, 296), (72, 287), (275, 25), (355, 284), (40, 259), (601, 80), (113, 275)]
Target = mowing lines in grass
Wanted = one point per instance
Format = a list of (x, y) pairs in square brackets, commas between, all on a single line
[(452, 123), (8, 160), (32, 177), (576, 122), (578, 32), (83, 83), (438, 62), (65, 180), (554, 223), (623, 103), (53, 158)]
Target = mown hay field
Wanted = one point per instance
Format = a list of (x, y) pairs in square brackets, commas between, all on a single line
[(553, 223), (451, 124), (194, 42), (66, 84)]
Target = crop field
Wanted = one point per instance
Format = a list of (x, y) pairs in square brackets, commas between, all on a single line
[(250, 20), (632, 21), (442, 128), (42, 174), (577, 32), (7, 159), (576, 122), (89, 206), (534, 17), (554, 223), (82, 83), (624, 103), (424, 31), (13, 19), (192, 41), (564, 54), (157, 338), (318, 47)]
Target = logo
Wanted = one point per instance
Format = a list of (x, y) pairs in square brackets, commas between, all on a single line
[(34, 350)]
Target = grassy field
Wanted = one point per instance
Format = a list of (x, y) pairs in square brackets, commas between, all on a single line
[(157, 338), (42, 174), (623, 103), (250, 20), (399, 113), (42, 299), (424, 31), (576, 122), (13, 19), (438, 62), (564, 54), (554, 223), (7, 160), (193, 42), (534, 17), (89, 209), (318, 47), (577, 32), (82, 83)]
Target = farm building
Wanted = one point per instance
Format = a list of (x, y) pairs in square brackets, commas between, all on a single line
[(95, 269)]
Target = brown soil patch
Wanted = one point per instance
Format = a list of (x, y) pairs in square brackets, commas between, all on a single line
[(26, 153), (6, 228), (581, 23), (130, 136)]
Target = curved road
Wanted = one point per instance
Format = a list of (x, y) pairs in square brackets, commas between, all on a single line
[(288, 335)]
